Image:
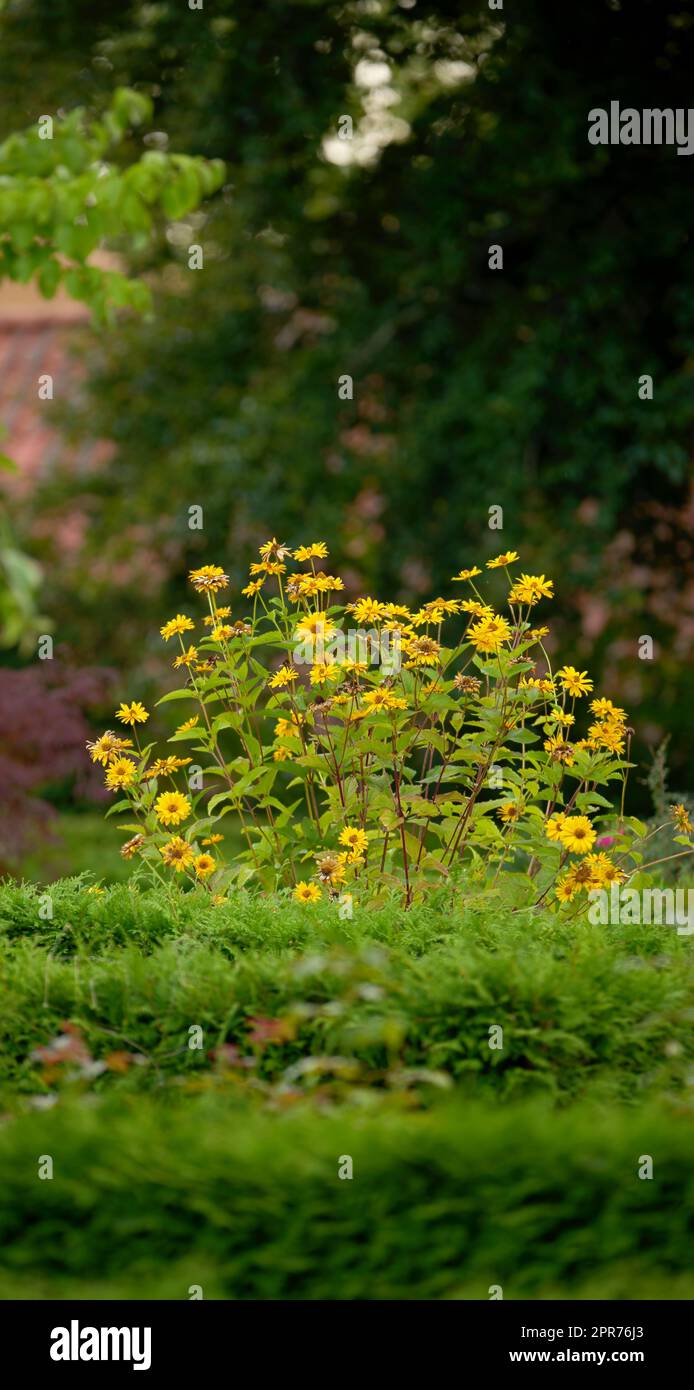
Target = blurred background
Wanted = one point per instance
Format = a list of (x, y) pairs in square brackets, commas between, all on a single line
[(366, 257)]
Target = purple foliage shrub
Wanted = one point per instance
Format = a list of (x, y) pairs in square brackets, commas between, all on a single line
[(43, 730)]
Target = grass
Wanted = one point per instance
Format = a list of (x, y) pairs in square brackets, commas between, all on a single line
[(218, 1164), (81, 844)]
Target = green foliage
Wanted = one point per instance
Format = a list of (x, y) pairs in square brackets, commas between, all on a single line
[(177, 1166), (404, 1001), (20, 582), (441, 1205), (60, 200)]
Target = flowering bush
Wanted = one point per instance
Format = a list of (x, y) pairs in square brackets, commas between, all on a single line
[(363, 749)]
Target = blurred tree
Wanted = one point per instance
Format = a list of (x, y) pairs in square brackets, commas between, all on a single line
[(370, 258), (59, 199)]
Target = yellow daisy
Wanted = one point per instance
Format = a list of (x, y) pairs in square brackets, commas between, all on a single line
[(501, 561), (177, 853), (306, 892), (171, 808), (134, 713), (575, 682), (577, 834), (318, 550), (208, 579), (175, 625), (285, 676), (106, 748), (121, 773), (466, 574), (355, 839)]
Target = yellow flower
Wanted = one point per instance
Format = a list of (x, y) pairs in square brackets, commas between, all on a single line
[(421, 651), (565, 889), (268, 567), (131, 847), (301, 586), (331, 868), (281, 754), (213, 618), (314, 625), (355, 668), (188, 724), (367, 610), (603, 871), (575, 682), (325, 583), (274, 550), (165, 767), (510, 811), (121, 773), (532, 683), (477, 609), (469, 685), (502, 560), (537, 633), (288, 728), (107, 747), (559, 750), (488, 634), (186, 658), (560, 716), (680, 816), (175, 625), (318, 550), (430, 613), (608, 735), (397, 610), (382, 699), (171, 808), (577, 834), (466, 574), (177, 853), (213, 839), (209, 579), (530, 588), (204, 865), (323, 671), (306, 892), (554, 824), (253, 588), (134, 713), (580, 877), (284, 676), (222, 632), (604, 709), (355, 839)]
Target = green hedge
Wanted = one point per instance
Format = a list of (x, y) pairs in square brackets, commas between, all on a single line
[(442, 1204), (579, 1007), (122, 915)]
